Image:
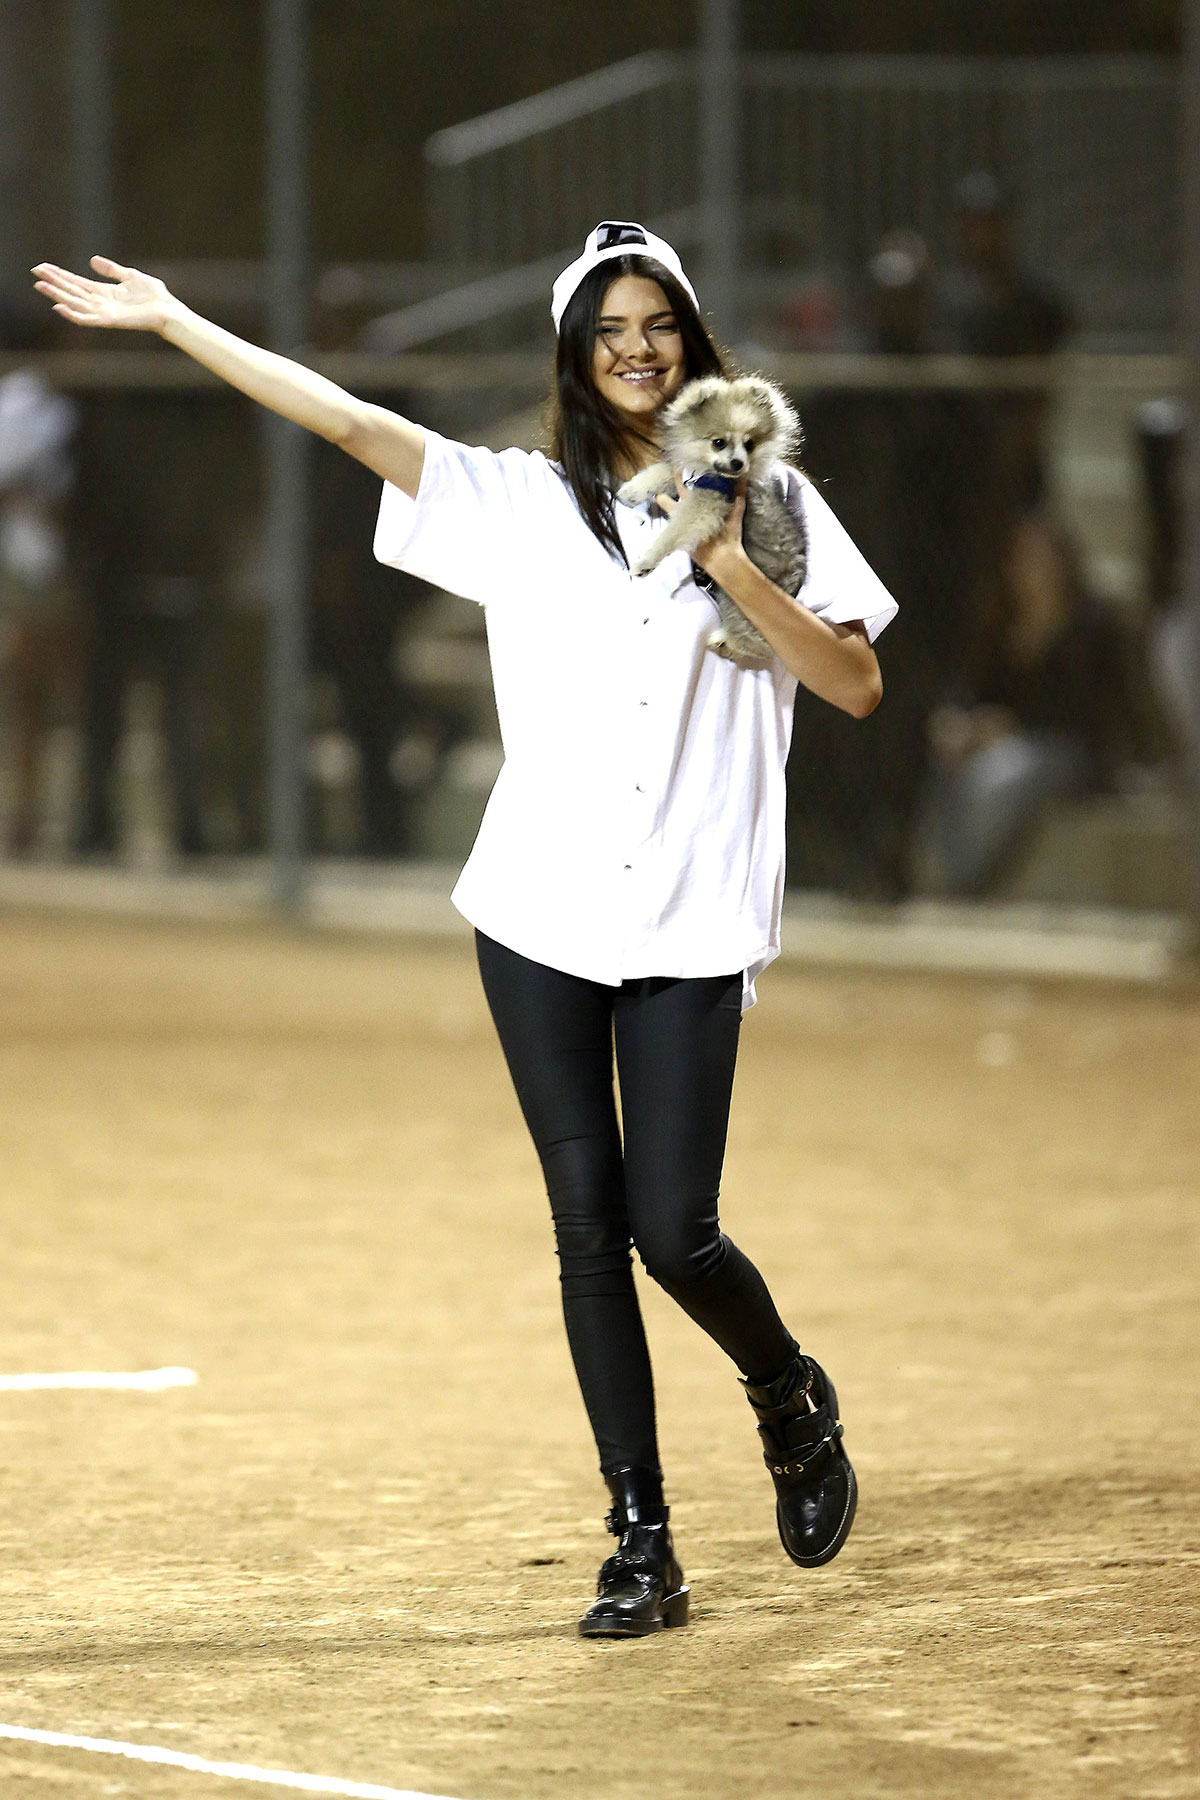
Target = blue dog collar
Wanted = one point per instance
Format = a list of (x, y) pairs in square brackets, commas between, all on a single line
[(720, 484)]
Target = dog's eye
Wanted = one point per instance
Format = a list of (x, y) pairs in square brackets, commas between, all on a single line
[(719, 443), (749, 443)]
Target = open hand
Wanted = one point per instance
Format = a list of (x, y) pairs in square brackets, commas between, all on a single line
[(126, 300)]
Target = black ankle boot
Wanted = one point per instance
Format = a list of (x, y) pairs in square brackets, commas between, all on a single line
[(640, 1587), (815, 1489)]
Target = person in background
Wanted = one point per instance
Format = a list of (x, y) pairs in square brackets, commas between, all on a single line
[(1160, 429), (357, 603), (901, 464), (156, 491), (37, 601), (993, 306), (1046, 718)]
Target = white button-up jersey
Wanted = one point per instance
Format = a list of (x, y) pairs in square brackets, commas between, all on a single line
[(637, 825)]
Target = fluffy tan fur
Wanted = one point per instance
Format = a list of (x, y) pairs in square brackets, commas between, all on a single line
[(738, 429)]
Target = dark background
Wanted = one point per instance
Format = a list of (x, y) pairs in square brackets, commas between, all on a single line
[(172, 548), (188, 170)]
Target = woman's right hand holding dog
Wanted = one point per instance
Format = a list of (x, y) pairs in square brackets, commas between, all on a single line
[(725, 549)]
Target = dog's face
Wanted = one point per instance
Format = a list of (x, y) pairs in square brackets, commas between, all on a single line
[(734, 428)]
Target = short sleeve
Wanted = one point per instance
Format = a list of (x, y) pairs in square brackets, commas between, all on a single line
[(463, 530), (840, 586)]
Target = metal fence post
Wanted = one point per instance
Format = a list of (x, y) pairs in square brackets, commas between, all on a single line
[(24, 213), (720, 160), (1190, 320), (90, 78), (288, 461)]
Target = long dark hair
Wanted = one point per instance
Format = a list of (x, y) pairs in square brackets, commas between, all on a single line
[(588, 436)]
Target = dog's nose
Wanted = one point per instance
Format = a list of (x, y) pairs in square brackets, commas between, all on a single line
[(736, 465)]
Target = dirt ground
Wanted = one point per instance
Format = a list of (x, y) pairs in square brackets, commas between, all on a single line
[(359, 1545)]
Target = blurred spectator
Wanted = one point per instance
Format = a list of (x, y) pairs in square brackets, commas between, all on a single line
[(157, 485), (357, 604), (233, 661), (812, 317), (901, 467), (1047, 716), (1161, 427), (995, 307), (898, 296), (37, 603)]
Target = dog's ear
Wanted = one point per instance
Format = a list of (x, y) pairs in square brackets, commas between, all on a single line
[(758, 388), (785, 420), (692, 396)]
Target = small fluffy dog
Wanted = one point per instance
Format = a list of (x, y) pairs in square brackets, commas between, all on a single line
[(716, 431)]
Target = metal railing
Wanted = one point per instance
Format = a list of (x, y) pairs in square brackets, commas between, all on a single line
[(842, 149), (836, 150), (85, 371), (508, 188)]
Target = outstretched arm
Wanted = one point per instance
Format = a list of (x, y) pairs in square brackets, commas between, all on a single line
[(127, 300)]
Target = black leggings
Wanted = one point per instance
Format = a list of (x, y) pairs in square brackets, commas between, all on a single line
[(676, 1046)]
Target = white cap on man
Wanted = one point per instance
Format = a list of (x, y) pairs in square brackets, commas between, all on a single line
[(615, 237)]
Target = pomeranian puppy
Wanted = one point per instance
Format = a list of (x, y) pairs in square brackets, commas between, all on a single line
[(717, 431)]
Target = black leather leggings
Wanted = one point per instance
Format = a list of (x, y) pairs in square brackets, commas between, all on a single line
[(676, 1046)]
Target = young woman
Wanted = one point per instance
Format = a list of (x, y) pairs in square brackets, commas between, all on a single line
[(627, 879)]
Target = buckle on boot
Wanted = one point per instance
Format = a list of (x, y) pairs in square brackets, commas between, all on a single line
[(798, 1465)]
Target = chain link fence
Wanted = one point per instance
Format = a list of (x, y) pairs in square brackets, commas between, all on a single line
[(837, 151), (1024, 512)]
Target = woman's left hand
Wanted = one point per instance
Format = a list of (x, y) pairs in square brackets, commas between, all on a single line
[(724, 543)]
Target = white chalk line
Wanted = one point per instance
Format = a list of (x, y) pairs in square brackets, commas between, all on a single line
[(147, 1381), (199, 1765)]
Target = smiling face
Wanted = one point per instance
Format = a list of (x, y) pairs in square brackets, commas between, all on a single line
[(638, 359)]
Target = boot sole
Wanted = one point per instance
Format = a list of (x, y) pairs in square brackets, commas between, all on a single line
[(674, 1613)]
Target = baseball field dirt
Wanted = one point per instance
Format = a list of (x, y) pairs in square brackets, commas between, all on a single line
[(359, 1544)]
